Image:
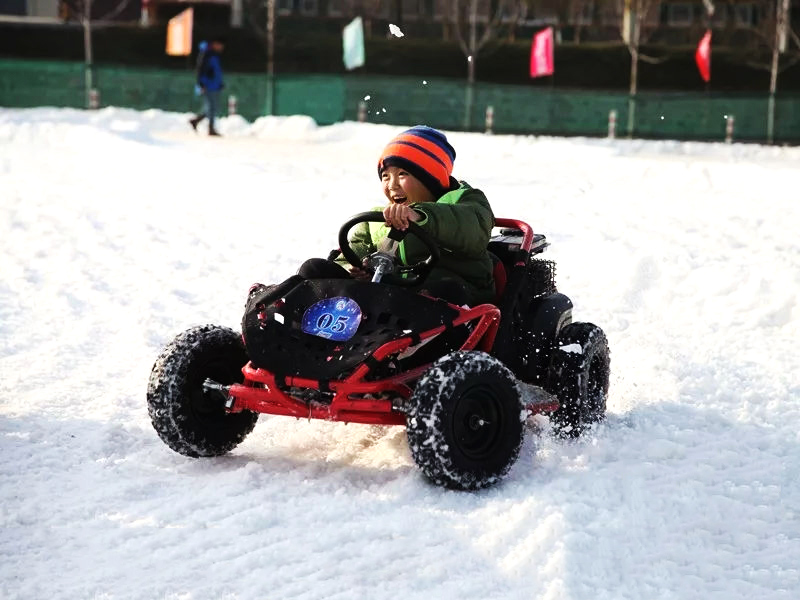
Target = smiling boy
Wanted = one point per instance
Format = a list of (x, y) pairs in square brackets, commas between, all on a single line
[(415, 169)]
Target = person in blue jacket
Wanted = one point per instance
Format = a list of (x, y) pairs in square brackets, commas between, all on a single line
[(209, 82)]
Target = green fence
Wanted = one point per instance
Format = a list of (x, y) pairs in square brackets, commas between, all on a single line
[(445, 103)]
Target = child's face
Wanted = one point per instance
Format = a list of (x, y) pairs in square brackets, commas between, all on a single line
[(401, 187)]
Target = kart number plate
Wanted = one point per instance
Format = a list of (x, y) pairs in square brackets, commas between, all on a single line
[(333, 318)]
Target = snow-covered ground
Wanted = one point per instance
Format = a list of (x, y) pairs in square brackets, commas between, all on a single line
[(119, 229)]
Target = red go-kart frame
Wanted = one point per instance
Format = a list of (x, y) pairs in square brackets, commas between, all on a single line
[(354, 399)]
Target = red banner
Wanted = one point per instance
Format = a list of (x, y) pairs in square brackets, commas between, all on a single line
[(542, 53), (702, 57)]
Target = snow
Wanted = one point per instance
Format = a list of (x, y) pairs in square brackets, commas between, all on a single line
[(572, 348), (120, 229)]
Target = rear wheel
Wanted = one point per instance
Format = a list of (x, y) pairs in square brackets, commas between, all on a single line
[(189, 419), (578, 376), (465, 422)]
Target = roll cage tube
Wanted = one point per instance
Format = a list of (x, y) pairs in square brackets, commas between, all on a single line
[(527, 232), (403, 275)]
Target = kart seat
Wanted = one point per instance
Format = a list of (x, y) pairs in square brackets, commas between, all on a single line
[(500, 277)]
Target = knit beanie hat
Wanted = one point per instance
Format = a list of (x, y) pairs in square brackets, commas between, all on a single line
[(425, 153)]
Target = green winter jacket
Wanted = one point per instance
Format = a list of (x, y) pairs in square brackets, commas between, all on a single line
[(461, 222)]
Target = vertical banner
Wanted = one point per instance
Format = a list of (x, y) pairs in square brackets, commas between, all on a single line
[(353, 44), (542, 53), (702, 57), (179, 33)]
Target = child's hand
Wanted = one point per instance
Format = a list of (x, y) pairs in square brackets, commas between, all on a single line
[(399, 215), (360, 274)]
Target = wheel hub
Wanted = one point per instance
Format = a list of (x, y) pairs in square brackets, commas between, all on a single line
[(476, 422)]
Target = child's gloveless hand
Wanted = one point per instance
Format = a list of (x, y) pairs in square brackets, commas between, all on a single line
[(399, 215), (360, 274)]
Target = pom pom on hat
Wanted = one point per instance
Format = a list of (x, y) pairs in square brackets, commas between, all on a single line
[(425, 153)]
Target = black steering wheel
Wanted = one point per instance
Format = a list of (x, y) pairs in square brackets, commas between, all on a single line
[(404, 275)]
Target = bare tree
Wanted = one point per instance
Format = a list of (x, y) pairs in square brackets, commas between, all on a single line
[(775, 35), (474, 28), (474, 24), (447, 22), (82, 11), (636, 27), (578, 11), (517, 11), (260, 17)]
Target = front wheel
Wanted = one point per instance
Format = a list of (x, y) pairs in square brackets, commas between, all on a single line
[(578, 376), (465, 422), (189, 419)]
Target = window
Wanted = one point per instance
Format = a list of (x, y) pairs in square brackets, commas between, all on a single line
[(608, 15), (308, 7), (585, 14), (744, 15), (416, 9), (720, 17), (679, 14), (513, 12), (284, 7), (383, 9), (335, 8), (439, 8)]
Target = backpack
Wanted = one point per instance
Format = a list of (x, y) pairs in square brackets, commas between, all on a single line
[(202, 47)]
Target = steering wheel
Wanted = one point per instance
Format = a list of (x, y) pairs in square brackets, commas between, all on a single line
[(403, 275)]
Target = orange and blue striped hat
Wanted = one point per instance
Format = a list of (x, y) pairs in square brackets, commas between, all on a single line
[(425, 153)]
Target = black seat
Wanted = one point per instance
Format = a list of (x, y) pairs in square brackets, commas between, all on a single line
[(500, 277)]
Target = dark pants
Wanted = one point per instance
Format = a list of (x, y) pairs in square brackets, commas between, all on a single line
[(319, 268), (447, 289), (211, 105)]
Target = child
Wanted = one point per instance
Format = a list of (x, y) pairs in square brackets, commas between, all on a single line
[(415, 171)]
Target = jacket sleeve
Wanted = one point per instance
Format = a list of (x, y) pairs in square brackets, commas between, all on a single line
[(463, 227)]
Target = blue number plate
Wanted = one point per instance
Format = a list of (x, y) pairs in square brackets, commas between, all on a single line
[(333, 318)]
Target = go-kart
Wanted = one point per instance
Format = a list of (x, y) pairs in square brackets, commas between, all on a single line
[(463, 380)]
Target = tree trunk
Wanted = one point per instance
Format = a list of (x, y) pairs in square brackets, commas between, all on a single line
[(87, 50), (447, 16), (473, 40), (634, 83), (781, 17), (269, 104), (471, 70), (473, 50), (634, 71)]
